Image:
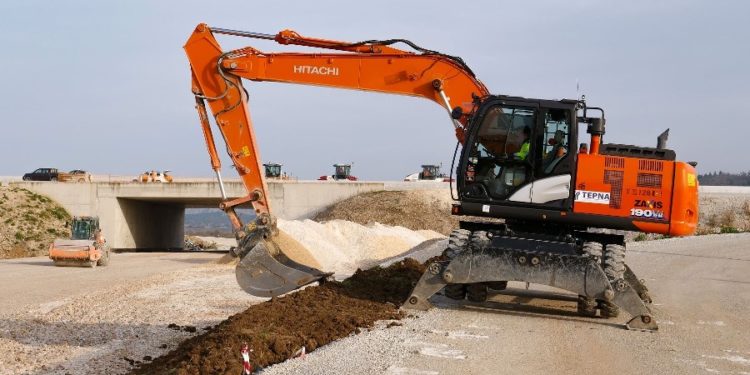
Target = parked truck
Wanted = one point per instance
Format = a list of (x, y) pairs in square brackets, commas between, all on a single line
[(53, 174)]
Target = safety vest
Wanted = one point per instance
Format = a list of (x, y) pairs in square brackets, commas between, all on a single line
[(524, 151)]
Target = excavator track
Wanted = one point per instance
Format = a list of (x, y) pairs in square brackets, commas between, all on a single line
[(511, 257)]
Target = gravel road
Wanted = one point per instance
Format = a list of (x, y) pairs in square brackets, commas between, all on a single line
[(84, 321), (36, 280), (100, 321), (701, 289)]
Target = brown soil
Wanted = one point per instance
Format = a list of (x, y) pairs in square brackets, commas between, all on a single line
[(415, 209), (29, 222), (277, 328)]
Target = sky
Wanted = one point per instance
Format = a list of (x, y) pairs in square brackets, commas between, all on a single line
[(105, 85)]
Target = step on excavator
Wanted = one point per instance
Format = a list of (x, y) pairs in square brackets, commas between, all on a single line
[(561, 202)]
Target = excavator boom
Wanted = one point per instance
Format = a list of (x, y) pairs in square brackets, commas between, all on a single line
[(376, 66)]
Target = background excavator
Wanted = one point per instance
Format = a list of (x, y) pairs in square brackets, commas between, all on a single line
[(520, 161)]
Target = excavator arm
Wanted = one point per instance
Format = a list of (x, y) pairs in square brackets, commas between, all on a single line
[(264, 269)]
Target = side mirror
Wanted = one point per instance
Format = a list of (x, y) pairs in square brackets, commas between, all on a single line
[(456, 113)]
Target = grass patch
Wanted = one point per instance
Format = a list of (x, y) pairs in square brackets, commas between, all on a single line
[(60, 213), (640, 237), (729, 229), (30, 218)]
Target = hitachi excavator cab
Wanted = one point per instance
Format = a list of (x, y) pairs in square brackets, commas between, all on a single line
[(603, 185), (495, 170)]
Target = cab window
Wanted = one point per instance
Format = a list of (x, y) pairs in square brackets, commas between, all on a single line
[(556, 141), (496, 165)]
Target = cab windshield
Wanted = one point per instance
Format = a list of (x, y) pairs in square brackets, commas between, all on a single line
[(502, 131), (342, 170), (81, 230), (273, 170), (498, 154)]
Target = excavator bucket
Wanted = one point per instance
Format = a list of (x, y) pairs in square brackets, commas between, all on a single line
[(266, 271)]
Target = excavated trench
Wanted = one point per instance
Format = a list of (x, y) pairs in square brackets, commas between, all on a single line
[(312, 317)]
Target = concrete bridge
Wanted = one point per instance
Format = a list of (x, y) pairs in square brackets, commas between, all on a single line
[(142, 216)]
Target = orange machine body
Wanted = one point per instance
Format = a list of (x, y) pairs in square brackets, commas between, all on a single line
[(216, 78), (659, 196), (74, 251), (650, 195)]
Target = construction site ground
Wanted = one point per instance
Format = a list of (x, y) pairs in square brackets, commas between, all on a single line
[(145, 305)]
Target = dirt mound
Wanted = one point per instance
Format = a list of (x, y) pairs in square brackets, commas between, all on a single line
[(414, 209), (277, 328), (29, 222)]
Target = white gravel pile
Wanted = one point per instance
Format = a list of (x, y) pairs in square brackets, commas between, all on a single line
[(342, 246)]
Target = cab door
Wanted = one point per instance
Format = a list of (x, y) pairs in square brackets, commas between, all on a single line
[(499, 154), (554, 149)]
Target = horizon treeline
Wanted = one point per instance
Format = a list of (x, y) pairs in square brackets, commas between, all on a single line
[(725, 179)]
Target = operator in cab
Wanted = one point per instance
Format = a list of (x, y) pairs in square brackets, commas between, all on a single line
[(524, 151)]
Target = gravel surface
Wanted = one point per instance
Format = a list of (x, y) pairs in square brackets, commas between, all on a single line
[(701, 289), (109, 319), (109, 326), (28, 281), (105, 320), (724, 210)]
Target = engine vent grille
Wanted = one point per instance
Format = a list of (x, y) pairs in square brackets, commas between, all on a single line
[(651, 165), (649, 180), (612, 162), (614, 179)]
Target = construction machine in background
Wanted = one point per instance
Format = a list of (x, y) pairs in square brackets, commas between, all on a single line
[(520, 161), (430, 172), (155, 176), (86, 247), (341, 172), (274, 172)]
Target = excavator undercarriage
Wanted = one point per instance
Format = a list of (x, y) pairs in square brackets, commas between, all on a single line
[(588, 264)]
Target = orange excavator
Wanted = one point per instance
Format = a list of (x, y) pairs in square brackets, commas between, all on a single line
[(520, 161)]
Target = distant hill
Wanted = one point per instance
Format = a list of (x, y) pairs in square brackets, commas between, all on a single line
[(725, 179), (29, 222)]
